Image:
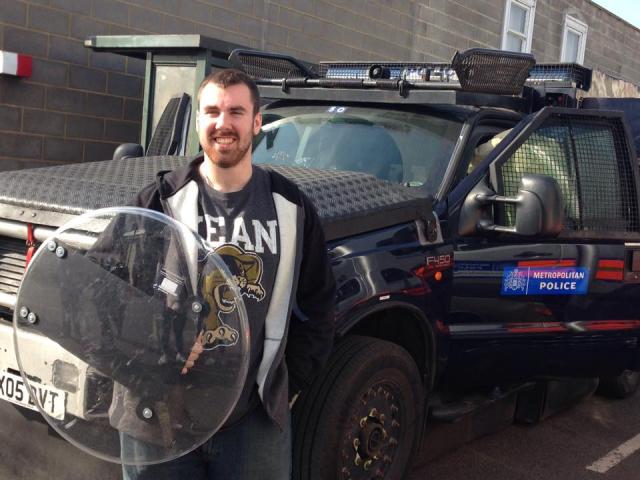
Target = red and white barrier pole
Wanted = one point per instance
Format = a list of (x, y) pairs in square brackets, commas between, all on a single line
[(15, 64)]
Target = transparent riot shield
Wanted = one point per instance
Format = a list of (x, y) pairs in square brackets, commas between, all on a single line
[(144, 332)]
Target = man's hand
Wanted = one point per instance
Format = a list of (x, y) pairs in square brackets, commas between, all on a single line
[(194, 354)]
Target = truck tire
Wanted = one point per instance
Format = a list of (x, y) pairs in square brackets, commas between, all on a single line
[(621, 386), (362, 417)]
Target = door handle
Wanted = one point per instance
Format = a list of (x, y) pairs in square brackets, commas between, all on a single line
[(632, 264)]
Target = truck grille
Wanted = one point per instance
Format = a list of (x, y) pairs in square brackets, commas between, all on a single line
[(12, 264)]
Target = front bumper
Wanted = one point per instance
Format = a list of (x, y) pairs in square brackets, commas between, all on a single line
[(42, 360)]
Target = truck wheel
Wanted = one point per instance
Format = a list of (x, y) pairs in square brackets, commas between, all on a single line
[(622, 386), (362, 417)]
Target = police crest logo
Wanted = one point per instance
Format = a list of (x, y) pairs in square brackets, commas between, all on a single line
[(246, 273), (515, 281)]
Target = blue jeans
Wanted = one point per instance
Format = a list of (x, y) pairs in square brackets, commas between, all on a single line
[(253, 449)]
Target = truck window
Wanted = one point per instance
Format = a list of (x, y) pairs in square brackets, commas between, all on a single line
[(484, 148), (585, 157), (403, 147), (171, 81)]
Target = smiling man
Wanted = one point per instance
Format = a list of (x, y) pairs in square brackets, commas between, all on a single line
[(269, 235), (228, 119)]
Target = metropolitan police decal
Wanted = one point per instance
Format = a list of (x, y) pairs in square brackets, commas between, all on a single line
[(545, 281)]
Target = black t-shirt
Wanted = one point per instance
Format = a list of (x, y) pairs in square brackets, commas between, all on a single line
[(242, 228)]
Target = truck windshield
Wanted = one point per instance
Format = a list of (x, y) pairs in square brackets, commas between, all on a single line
[(400, 146)]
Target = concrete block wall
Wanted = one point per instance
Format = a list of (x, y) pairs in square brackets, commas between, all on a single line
[(79, 105), (613, 45), (429, 30), (76, 106)]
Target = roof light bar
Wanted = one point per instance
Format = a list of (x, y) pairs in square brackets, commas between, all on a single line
[(561, 72), (414, 72), (476, 70)]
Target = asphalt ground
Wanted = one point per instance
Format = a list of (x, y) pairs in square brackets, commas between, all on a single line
[(561, 447)]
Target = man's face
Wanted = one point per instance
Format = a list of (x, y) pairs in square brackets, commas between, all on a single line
[(226, 124)]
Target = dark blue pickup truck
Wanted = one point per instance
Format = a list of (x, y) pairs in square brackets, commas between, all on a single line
[(484, 232)]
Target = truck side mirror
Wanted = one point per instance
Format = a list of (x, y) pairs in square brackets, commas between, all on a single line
[(539, 209)]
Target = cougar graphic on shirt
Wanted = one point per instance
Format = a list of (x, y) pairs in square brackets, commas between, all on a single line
[(246, 275)]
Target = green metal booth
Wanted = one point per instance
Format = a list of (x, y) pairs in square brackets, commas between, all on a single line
[(175, 66)]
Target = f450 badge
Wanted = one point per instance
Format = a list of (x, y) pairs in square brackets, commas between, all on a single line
[(438, 262)]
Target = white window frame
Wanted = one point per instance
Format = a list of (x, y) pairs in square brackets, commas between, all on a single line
[(530, 7), (572, 24)]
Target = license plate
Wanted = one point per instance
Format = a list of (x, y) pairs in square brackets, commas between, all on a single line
[(51, 400)]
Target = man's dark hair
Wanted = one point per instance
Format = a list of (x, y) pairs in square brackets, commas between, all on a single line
[(229, 77)]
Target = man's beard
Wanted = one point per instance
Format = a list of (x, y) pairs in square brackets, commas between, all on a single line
[(226, 160)]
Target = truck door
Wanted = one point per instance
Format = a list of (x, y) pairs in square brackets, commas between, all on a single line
[(560, 305)]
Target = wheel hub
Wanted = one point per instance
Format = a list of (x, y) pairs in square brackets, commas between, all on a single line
[(370, 439), (374, 435)]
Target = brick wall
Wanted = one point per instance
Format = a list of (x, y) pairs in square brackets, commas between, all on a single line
[(79, 105)]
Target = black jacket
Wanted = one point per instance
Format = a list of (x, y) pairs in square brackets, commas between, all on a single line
[(299, 327)]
